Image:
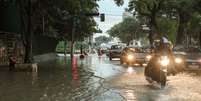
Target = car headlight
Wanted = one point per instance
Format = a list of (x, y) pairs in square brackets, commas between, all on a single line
[(164, 61), (178, 60), (148, 57), (130, 57)]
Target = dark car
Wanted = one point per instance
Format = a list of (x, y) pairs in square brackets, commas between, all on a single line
[(115, 51), (193, 58), (133, 56)]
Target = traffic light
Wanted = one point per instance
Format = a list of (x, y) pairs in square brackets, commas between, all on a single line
[(102, 17), (92, 14)]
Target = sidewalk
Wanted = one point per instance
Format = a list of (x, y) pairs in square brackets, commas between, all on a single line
[(4, 65)]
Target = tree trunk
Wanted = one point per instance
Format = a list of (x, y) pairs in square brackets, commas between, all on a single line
[(190, 39), (153, 29), (25, 17), (81, 49), (29, 36), (181, 33), (72, 50), (200, 38), (73, 39), (65, 43)]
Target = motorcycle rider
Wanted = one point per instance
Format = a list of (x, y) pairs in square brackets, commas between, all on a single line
[(161, 47)]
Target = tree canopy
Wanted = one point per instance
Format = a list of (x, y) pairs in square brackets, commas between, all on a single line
[(102, 39), (177, 18), (127, 30), (55, 18), (63, 19)]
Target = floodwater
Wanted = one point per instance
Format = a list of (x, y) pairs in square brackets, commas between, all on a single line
[(94, 79)]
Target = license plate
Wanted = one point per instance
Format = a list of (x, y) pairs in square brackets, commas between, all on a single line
[(193, 66)]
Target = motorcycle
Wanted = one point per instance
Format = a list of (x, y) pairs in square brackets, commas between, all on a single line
[(157, 70)]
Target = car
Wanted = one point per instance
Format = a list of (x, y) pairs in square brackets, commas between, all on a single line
[(115, 51), (179, 58), (134, 56), (193, 58)]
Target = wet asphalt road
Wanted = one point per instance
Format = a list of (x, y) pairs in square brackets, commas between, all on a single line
[(94, 79)]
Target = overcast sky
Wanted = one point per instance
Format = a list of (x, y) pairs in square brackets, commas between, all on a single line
[(113, 15)]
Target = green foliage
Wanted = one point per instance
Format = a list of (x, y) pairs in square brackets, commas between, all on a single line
[(127, 30), (168, 27), (85, 25), (55, 18), (119, 2), (61, 46), (145, 7), (194, 25), (102, 39), (177, 18)]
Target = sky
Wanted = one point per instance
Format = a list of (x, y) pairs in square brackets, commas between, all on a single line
[(113, 15)]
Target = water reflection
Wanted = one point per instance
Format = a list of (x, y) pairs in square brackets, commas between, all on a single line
[(34, 77), (130, 96), (58, 80), (130, 70), (74, 68), (55, 80)]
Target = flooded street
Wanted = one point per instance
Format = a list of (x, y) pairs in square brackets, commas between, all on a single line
[(94, 79)]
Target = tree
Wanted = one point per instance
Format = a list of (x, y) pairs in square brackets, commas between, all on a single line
[(198, 9), (149, 9), (173, 10), (168, 27), (64, 19), (127, 30), (185, 10), (102, 39), (194, 29), (119, 2)]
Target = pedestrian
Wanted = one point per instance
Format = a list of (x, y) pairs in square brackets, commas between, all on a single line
[(12, 62)]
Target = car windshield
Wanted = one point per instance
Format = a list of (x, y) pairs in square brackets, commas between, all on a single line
[(136, 50)]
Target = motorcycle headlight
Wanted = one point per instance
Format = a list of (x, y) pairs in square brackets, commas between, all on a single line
[(130, 57), (148, 57), (164, 61), (178, 60)]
